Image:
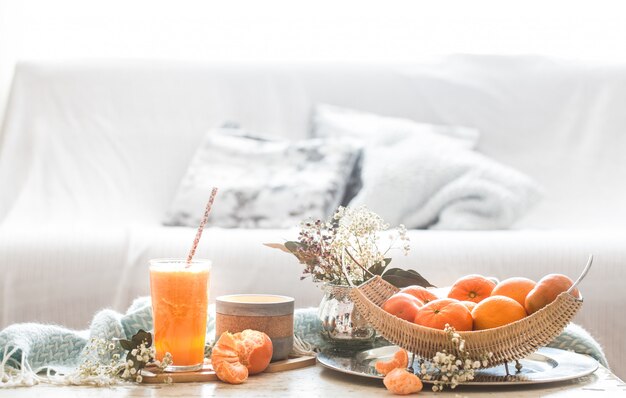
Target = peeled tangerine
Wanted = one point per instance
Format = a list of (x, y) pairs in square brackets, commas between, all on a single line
[(400, 381), (400, 360), (234, 356)]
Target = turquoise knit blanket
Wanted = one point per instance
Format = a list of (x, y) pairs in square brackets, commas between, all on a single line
[(28, 349)]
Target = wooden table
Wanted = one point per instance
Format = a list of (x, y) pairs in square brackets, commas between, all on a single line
[(315, 381)]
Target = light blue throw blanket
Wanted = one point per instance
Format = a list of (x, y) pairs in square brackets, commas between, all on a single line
[(32, 348)]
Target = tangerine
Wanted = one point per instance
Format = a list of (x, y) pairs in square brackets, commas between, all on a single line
[(497, 311), (400, 360), (516, 288), (440, 312), (546, 291), (401, 382), (234, 356), (469, 304), (471, 288), (421, 293), (403, 306), (225, 360)]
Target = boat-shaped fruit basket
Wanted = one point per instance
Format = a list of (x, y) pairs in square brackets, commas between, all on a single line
[(510, 342)]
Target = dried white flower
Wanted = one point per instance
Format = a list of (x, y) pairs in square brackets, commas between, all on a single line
[(350, 243), (446, 369)]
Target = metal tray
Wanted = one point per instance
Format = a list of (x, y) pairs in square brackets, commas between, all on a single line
[(547, 365)]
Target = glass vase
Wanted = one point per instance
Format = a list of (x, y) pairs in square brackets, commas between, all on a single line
[(342, 324)]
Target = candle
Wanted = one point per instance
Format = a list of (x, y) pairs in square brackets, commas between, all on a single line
[(267, 313)]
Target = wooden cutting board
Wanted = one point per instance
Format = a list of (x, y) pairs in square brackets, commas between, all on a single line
[(208, 374)]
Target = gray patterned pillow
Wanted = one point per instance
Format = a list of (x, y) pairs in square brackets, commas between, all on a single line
[(263, 182)]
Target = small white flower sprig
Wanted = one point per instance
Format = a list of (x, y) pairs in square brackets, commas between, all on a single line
[(141, 353), (446, 369), (104, 365)]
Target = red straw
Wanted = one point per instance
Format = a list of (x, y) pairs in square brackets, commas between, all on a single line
[(201, 227)]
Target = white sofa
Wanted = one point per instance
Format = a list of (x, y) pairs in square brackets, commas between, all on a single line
[(91, 154)]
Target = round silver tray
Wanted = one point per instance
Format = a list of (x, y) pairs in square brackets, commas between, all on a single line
[(547, 365)]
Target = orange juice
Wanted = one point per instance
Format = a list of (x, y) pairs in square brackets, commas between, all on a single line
[(180, 298)]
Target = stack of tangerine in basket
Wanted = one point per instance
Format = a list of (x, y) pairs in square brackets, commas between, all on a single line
[(476, 302)]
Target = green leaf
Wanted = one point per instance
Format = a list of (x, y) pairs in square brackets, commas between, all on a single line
[(126, 344), (140, 337), (299, 250), (379, 268), (293, 246), (403, 278)]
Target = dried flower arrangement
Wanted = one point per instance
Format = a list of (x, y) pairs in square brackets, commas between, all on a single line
[(348, 248)]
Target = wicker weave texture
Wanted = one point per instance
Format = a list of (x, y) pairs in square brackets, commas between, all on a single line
[(507, 343)]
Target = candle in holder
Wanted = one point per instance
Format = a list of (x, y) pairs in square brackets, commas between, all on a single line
[(267, 313)]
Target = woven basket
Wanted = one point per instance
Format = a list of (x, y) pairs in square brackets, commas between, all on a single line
[(507, 343)]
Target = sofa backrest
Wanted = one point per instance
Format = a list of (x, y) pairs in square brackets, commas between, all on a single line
[(108, 142)]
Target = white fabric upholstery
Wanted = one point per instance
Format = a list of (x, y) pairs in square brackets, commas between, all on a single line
[(91, 155), (122, 134)]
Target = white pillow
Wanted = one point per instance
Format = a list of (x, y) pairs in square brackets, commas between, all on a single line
[(263, 183), (375, 130), (424, 179)]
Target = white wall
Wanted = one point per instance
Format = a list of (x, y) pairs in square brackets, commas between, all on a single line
[(304, 31)]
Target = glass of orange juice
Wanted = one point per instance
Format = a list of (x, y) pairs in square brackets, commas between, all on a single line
[(180, 296)]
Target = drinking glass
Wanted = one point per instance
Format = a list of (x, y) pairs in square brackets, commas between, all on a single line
[(180, 297)]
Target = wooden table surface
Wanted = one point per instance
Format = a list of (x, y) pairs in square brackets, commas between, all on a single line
[(316, 381)]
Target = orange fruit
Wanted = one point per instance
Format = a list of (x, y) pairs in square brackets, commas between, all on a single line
[(400, 360), (440, 312), (546, 291), (469, 304), (421, 293), (403, 306), (257, 350), (516, 288), (401, 382), (225, 360), (471, 288), (496, 311), (234, 356)]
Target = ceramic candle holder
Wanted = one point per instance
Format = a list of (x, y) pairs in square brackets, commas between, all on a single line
[(266, 313)]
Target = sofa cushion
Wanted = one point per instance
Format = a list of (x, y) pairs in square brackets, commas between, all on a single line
[(263, 182), (377, 130), (427, 176)]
